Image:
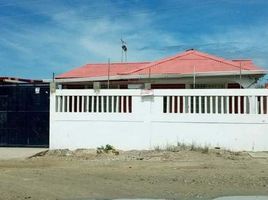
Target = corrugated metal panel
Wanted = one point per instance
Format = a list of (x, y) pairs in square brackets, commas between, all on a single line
[(24, 115)]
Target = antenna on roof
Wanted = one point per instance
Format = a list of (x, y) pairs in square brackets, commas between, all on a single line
[(189, 49), (124, 50)]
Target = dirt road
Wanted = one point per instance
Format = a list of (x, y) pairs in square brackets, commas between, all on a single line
[(134, 174)]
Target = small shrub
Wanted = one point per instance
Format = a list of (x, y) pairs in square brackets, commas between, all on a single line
[(183, 146), (203, 149), (157, 148), (107, 149)]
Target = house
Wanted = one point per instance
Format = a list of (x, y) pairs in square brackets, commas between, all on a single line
[(217, 113), (189, 69)]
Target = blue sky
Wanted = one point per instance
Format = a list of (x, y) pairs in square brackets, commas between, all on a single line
[(39, 37)]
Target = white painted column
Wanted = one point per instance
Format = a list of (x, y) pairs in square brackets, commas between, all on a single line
[(261, 105), (228, 105), (97, 104), (68, 104), (52, 101), (206, 105), (189, 104), (172, 100), (183, 105), (245, 104), (200, 104), (87, 103), (63, 104), (113, 109), (222, 104), (57, 104), (52, 111), (256, 105), (127, 98), (72, 97), (83, 104), (194, 104), (211, 104), (122, 104), (77, 103), (216, 105), (252, 105)]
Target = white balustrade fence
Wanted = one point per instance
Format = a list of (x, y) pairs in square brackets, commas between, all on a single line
[(94, 104), (215, 104), (236, 119)]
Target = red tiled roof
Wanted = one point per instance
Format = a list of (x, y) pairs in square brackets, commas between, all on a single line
[(193, 61), (98, 70), (187, 62)]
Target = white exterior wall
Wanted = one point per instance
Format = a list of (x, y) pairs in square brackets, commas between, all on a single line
[(148, 126)]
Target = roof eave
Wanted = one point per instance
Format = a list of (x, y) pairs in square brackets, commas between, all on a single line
[(146, 76)]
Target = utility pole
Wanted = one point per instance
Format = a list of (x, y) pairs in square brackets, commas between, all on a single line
[(109, 66), (240, 75), (194, 78), (53, 77)]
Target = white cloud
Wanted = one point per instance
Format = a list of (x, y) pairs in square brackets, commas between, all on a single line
[(72, 38), (69, 37)]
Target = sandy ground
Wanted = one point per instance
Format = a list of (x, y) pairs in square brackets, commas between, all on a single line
[(134, 174), (7, 153)]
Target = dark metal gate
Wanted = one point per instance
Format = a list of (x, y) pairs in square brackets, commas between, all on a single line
[(24, 115)]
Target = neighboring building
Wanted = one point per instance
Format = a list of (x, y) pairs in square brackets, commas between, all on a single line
[(24, 112), (14, 80), (190, 69)]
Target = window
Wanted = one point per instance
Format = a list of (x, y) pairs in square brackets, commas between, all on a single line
[(207, 86)]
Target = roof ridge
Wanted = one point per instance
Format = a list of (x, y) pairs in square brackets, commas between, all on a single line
[(220, 59), (152, 64), (216, 58)]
